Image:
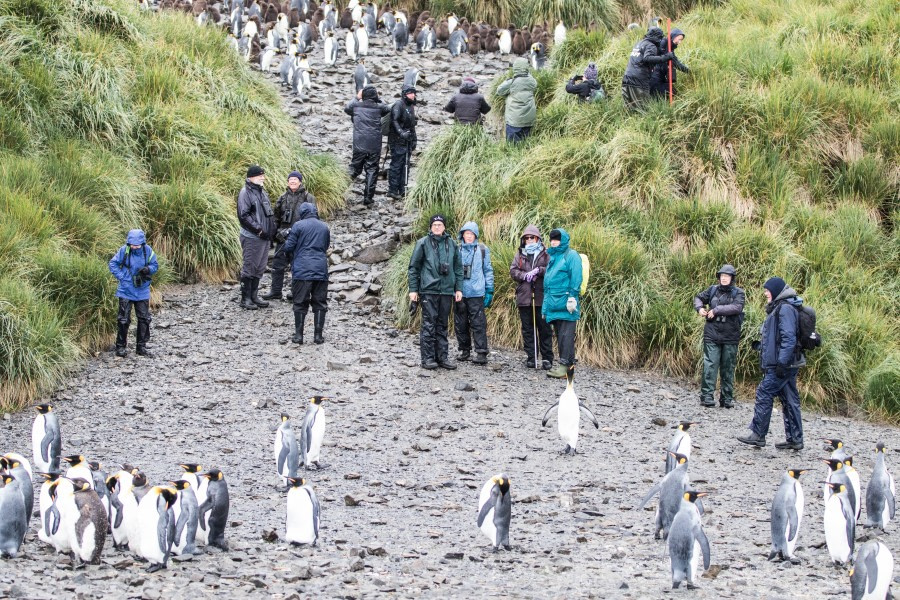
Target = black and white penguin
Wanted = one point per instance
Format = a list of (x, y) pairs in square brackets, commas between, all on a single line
[(787, 515), (872, 572), (87, 531), (537, 57), (13, 521), (44, 504), (62, 508), (331, 49), (495, 510), (410, 78), (368, 22), (504, 38), (121, 500), (286, 450), (360, 80), (569, 415), (670, 491), (191, 474), (46, 441), (78, 467), (302, 512), (185, 511), (400, 36), (838, 473), (20, 468), (154, 521), (559, 33), (458, 43), (388, 20), (139, 485), (297, 74), (329, 23), (350, 43), (840, 524), (855, 483), (880, 500), (266, 57), (423, 39), (680, 444), (284, 71), (98, 480), (362, 40), (213, 511), (687, 541), (313, 432), (452, 23)]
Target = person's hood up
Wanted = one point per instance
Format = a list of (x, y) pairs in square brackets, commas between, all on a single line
[(135, 237), (530, 230), (520, 66), (469, 226), (308, 210), (674, 34), (468, 88), (655, 34), (563, 242)]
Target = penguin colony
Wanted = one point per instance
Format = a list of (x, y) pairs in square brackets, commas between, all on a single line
[(81, 505)]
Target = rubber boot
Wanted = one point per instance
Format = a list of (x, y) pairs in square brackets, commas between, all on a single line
[(319, 324), (299, 322), (275, 287), (559, 371), (122, 340), (246, 291), (143, 336), (254, 294)]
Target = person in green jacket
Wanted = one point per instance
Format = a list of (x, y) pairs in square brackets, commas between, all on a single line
[(521, 108), (435, 281), (562, 302)]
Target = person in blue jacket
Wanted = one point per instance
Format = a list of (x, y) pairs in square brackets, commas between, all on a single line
[(780, 357), (477, 293), (134, 266), (308, 242), (562, 298)]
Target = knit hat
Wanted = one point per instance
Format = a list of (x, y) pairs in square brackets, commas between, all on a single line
[(438, 218), (408, 90), (254, 171), (556, 234), (591, 72), (296, 174), (775, 285)]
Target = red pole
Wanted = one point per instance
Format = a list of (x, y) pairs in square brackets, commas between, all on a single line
[(669, 38)]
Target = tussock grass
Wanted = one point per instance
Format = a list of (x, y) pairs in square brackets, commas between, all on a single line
[(779, 156), (113, 118)]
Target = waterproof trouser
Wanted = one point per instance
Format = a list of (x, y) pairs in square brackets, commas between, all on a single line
[(719, 361), (397, 170), (635, 98), (308, 293), (515, 135), (565, 340), (786, 389), (470, 324), (142, 311), (368, 162), (280, 262), (529, 319), (255, 254), (433, 342)]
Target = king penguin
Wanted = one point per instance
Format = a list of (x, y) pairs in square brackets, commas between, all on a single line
[(458, 43), (213, 512), (537, 56), (680, 444), (872, 572), (20, 468), (505, 41), (880, 501), (423, 39), (61, 510), (121, 500), (837, 448), (185, 511), (569, 415), (362, 40), (87, 531), (855, 483), (286, 450), (388, 20), (495, 510), (670, 490), (98, 482), (313, 432), (44, 504), (360, 76), (302, 513), (839, 473), (46, 442), (78, 468), (787, 514), (156, 527), (13, 522), (350, 43), (400, 36), (331, 49), (266, 57), (559, 33), (840, 524), (687, 541)]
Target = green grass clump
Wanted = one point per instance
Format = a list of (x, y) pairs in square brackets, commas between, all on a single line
[(114, 118), (779, 156)]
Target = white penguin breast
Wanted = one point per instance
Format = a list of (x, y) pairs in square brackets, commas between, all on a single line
[(487, 526), (300, 523), (569, 417), (836, 530)]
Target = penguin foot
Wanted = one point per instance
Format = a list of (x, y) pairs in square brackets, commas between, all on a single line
[(155, 568), (565, 450), (675, 585)]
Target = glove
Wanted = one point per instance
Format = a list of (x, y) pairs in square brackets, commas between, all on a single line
[(532, 274), (571, 304), (780, 371), (488, 298), (413, 307), (669, 55), (282, 234), (406, 135), (263, 235), (145, 271)]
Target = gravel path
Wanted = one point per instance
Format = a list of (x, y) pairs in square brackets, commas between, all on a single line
[(406, 453)]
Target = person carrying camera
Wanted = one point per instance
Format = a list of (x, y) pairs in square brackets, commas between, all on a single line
[(287, 212), (722, 306), (469, 319), (435, 280), (588, 88), (134, 266), (257, 221)]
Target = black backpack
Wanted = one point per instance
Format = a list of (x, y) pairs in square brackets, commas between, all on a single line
[(807, 336)]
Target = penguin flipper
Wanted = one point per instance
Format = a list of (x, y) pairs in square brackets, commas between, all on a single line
[(51, 520), (653, 491), (871, 563), (45, 446), (700, 536), (282, 457), (179, 526), (793, 521), (890, 502), (547, 414), (162, 528), (117, 504), (204, 508), (489, 505), (699, 505), (589, 414), (315, 507)]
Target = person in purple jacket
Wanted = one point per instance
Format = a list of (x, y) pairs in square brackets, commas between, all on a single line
[(134, 266)]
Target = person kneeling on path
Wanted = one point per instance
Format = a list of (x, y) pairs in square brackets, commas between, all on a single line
[(477, 294), (521, 107), (644, 56), (402, 142), (257, 221), (527, 269), (366, 113), (435, 279), (562, 290), (287, 212), (588, 88), (308, 242), (780, 357), (134, 266), (468, 105), (721, 335)]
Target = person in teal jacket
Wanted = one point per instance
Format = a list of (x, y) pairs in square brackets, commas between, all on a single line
[(562, 298), (134, 266)]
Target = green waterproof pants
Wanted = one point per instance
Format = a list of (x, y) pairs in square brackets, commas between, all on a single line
[(719, 360)]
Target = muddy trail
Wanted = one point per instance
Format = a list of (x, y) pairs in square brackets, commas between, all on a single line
[(407, 451)]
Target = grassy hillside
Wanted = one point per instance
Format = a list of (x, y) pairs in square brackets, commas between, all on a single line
[(779, 156), (113, 118)]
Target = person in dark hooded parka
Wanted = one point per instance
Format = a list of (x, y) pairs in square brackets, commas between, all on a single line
[(366, 113), (134, 266), (722, 308), (308, 242), (644, 56), (659, 78), (468, 105)]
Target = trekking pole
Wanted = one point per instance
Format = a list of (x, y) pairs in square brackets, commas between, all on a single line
[(669, 40), (534, 327), (408, 157)]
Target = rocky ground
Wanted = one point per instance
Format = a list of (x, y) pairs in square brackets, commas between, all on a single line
[(407, 451)]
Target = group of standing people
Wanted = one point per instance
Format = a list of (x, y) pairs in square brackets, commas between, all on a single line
[(647, 73)]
